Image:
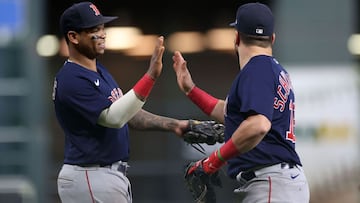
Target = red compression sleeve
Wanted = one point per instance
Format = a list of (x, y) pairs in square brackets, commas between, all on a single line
[(144, 86), (227, 151), (218, 158), (203, 100)]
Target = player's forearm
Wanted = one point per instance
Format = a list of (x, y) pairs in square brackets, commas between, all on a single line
[(144, 86), (218, 111), (121, 111), (145, 120), (207, 103), (250, 132), (246, 137)]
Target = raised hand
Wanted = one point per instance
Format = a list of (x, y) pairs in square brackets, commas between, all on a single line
[(183, 76), (156, 62)]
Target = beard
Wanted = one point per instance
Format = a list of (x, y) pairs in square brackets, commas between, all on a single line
[(87, 51)]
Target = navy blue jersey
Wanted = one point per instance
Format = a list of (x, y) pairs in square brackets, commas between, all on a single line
[(79, 96), (263, 86)]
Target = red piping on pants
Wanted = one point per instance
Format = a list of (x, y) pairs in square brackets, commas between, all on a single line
[(269, 198), (88, 183)]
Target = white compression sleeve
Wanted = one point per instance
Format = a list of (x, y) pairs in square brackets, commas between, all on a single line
[(121, 111)]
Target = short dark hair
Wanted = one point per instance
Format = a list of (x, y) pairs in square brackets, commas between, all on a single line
[(261, 41)]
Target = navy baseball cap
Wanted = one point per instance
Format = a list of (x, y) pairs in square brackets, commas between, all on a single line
[(254, 19), (81, 16)]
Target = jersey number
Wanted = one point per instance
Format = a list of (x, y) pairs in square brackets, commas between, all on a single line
[(290, 134)]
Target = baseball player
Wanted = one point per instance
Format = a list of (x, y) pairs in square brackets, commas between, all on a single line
[(258, 114), (95, 114)]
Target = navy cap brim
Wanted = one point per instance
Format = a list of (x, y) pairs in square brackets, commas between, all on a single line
[(103, 20)]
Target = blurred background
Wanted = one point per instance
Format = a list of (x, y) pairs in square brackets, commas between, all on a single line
[(317, 41)]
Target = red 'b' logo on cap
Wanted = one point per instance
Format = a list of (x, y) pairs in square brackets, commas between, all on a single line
[(96, 11)]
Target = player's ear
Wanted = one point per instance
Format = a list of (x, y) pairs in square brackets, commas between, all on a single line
[(273, 38), (237, 38), (72, 36)]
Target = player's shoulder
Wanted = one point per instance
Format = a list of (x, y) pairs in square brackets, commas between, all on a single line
[(259, 63), (67, 68), (72, 76), (260, 60), (72, 70)]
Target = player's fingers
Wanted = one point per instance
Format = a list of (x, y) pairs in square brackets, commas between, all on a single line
[(160, 54), (184, 66), (178, 55), (159, 49), (177, 58), (180, 65), (181, 61), (160, 41)]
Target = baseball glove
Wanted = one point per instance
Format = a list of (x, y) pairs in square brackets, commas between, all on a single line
[(208, 132), (203, 132), (200, 184)]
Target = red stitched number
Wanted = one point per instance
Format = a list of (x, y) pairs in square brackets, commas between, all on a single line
[(290, 134)]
